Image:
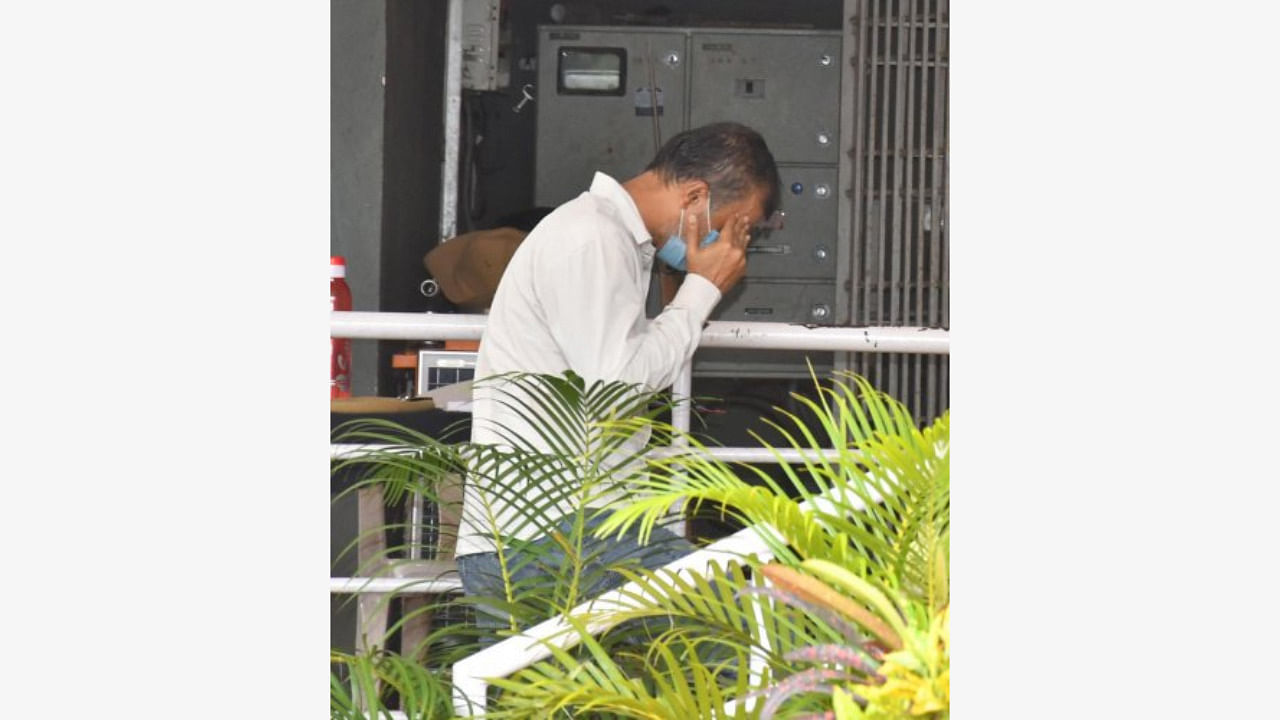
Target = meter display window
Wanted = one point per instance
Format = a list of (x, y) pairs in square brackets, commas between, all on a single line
[(591, 71)]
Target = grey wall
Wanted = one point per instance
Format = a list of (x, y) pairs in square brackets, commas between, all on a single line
[(357, 62), (386, 73), (357, 45), (413, 138), (386, 84)]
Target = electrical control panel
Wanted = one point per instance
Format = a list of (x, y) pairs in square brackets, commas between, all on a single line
[(607, 97)]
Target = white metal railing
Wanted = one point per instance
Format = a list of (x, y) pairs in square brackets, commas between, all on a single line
[(400, 586), (341, 451), (452, 583), (520, 651), (716, 334)]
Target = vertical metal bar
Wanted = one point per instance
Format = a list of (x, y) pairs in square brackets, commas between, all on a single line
[(911, 215), (867, 42), (910, 212), (869, 155), (866, 60), (653, 95), (916, 405), (882, 183), (417, 513), (682, 389), (930, 199), (918, 128), (922, 203), (895, 174), (681, 414), (866, 65), (902, 194), (944, 375), (371, 553), (945, 196), (945, 155), (686, 74), (848, 181), (935, 199), (452, 110), (895, 188), (906, 143), (932, 370)]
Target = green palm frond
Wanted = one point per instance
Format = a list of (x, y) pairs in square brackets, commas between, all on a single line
[(371, 680), (566, 415), (566, 470), (901, 476), (710, 630), (448, 641), (708, 606), (876, 505), (879, 492), (398, 459), (595, 682), (561, 471), (571, 459)]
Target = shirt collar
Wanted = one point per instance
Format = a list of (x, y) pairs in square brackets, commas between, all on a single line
[(606, 187)]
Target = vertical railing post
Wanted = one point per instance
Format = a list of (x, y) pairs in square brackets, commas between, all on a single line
[(452, 121), (681, 417)]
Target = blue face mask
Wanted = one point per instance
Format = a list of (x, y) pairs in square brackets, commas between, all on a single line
[(673, 250)]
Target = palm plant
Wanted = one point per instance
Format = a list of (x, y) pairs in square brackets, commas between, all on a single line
[(912, 679), (848, 621), (551, 476), (362, 685), (870, 516), (550, 483)]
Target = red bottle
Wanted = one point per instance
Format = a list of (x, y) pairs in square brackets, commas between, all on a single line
[(340, 348)]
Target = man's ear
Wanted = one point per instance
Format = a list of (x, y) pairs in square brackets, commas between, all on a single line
[(694, 189)]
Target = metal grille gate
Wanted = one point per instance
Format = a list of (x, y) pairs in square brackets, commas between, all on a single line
[(894, 174)]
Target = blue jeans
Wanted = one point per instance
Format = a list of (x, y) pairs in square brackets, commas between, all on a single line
[(482, 574)]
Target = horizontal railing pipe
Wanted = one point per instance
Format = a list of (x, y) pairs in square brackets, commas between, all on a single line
[(784, 336), (400, 586), (789, 456), (406, 326), (340, 451), (716, 334)]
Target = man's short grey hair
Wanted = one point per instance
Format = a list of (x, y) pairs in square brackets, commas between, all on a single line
[(730, 157)]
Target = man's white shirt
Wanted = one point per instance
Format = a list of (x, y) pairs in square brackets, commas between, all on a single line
[(573, 298)]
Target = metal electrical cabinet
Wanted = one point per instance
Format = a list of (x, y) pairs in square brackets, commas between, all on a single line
[(806, 245), (783, 83), (594, 105), (595, 112)]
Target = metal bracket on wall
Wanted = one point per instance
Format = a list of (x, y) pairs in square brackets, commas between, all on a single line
[(527, 92)]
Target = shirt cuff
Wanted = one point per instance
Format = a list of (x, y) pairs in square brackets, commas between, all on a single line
[(698, 294)]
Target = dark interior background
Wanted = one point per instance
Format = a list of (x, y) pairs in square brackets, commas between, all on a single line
[(387, 137), (387, 134)]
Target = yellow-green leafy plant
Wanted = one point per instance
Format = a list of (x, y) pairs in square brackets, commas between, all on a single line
[(855, 599), (901, 671), (570, 448), (847, 619)]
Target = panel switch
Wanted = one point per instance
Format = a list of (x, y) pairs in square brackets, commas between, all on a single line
[(751, 88)]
